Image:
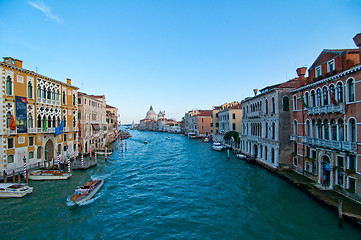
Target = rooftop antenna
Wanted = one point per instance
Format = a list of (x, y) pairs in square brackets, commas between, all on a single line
[(36, 69)]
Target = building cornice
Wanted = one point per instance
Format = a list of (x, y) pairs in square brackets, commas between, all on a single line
[(35, 74), (325, 80)]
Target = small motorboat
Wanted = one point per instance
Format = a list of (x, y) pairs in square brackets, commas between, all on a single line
[(206, 140), (168, 138), (241, 156), (145, 142), (86, 191), (217, 146), (49, 175), (9, 190), (103, 153)]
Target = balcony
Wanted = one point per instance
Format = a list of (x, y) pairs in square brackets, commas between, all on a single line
[(332, 144), (326, 109), (32, 130), (304, 139), (254, 114), (9, 131), (66, 129), (293, 138)]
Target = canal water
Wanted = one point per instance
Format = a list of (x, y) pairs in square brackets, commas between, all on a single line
[(171, 189)]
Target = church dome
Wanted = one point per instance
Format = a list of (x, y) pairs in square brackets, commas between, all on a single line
[(151, 114)]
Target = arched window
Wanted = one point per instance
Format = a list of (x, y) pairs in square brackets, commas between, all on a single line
[(341, 131), (273, 155), (266, 132), (57, 95), (339, 92), (64, 100), (314, 129), (333, 91), (273, 130), (44, 93), (319, 101), (9, 86), (307, 101), (273, 105), (64, 121), (327, 129), (30, 121), (39, 152), (333, 129), (49, 122), (325, 95), (265, 152), (8, 119), (294, 102), (351, 90), (266, 106), (39, 121), (49, 94), (286, 103), (308, 132), (295, 128), (313, 98), (319, 129), (352, 130), (39, 92), (53, 94), (54, 122), (30, 90)]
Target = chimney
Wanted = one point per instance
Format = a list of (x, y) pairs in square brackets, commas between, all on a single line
[(68, 81), (255, 91), (18, 63), (357, 40), (301, 72)]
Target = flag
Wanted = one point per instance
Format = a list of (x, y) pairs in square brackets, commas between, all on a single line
[(303, 102), (59, 130), (44, 124), (332, 98), (12, 123), (79, 128)]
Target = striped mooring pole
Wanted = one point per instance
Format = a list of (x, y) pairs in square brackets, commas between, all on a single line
[(105, 154), (25, 168), (58, 161), (68, 164), (82, 160)]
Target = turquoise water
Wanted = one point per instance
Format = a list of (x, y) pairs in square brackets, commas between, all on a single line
[(171, 189)]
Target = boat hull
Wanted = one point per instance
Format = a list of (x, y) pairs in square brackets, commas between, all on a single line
[(90, 195), (40, 175), (10, 193)]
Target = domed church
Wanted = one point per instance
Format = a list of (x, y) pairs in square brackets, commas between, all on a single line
[(151, 114)]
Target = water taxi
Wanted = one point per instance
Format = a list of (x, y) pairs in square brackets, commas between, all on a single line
[(49, 175), (8, 190), (86, 191), (217, 146)]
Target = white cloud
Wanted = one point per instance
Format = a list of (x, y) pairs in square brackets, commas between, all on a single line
[(46, 10)]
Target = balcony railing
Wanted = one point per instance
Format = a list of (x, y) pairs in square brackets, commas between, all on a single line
[(304, 139), (66, 129), (9, 131), (32, 130), (326, 109), (332, 144), (254, 114)]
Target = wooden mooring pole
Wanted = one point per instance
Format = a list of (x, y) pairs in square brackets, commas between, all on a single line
[(340, 222), (5, 177), (13, 176)]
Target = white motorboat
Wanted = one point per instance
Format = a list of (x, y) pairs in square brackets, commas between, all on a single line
[(241, 156), (86, 191), (103, 153), (206, 140), (9, 190), (192, 135), (49, 175), (217, 146)]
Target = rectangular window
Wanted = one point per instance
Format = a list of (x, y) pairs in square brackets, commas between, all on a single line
[(352, 162), (10, 159), (340, 161), (30, 155), (295, 150), (308, 167), (65, 138), (351, 184), (340, 177), (318, 71), (308, 151), (331, 65), (10, 143), (233, 126), (313, 154), (295, 162), (234, 116), (31, 141)]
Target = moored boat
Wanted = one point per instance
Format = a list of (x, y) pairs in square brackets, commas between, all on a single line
[(49, 175), (8, 190), (103, 153), (86, 191), (206, 140), (217, 146)]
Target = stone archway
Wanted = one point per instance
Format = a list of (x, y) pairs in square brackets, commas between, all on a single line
[(326, 170), (49, 151), (255, 150)]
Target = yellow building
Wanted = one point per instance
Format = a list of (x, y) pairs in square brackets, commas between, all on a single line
[(37, 104)]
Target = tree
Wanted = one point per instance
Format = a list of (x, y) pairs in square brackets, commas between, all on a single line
[(231, 134)]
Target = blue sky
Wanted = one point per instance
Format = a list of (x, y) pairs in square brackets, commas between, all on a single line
[(177, 55)]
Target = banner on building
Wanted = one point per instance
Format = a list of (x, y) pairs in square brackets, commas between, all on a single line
[(21, 117)]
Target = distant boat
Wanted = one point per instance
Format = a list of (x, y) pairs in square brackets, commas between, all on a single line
[(103, 153), (206, 140), (217, 146), (86, 191), (49, 175), (192, 135), (9, 190), (241, 156), (168, 138), (145, 142)]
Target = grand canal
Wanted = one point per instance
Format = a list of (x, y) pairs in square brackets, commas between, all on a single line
[(171, 189)]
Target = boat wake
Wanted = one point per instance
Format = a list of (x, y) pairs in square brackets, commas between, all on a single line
[(70, 203)]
